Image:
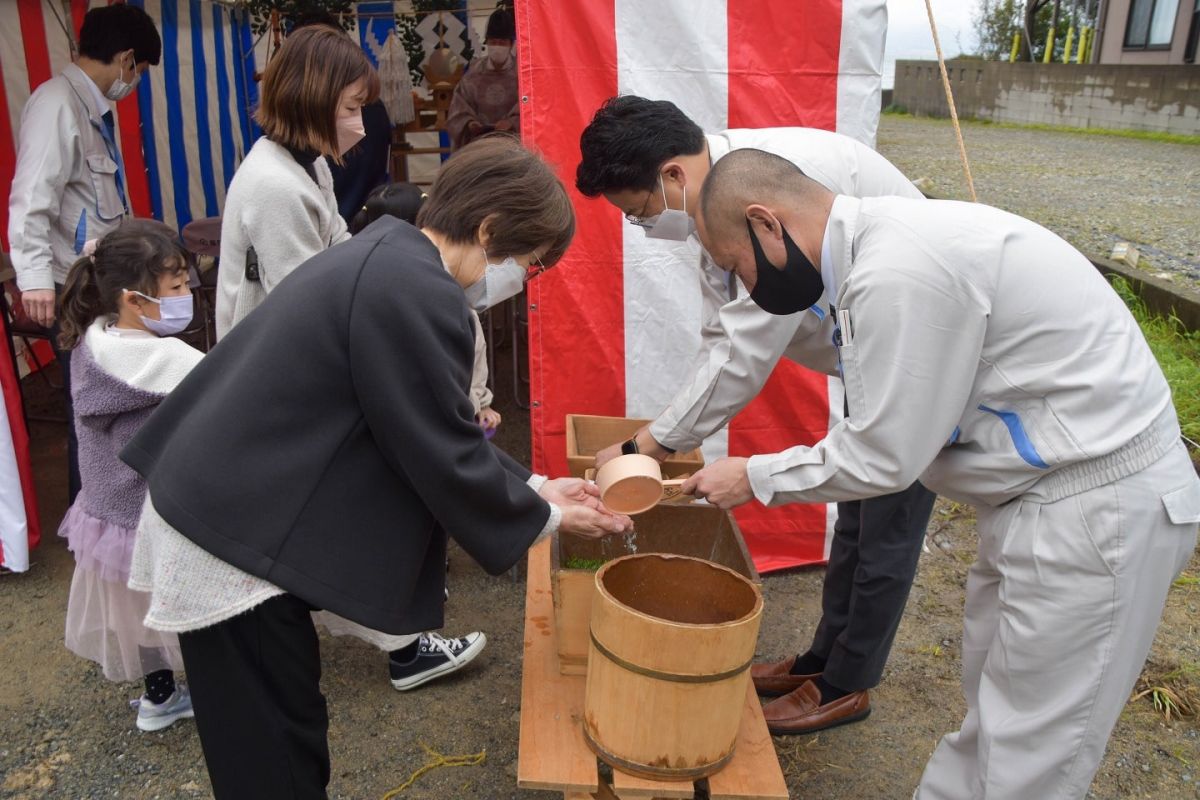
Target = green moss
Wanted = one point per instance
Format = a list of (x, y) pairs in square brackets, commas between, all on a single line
[(1178, 352), (588, 564)]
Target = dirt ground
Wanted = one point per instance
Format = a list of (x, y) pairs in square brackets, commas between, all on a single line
[(65, 732)]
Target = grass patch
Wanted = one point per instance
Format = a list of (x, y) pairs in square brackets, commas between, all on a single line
[(1187, 580), (1172, 692), (1151, 136), (1178, 353), (588, 564)]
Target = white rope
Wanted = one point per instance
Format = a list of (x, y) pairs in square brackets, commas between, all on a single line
[(962, 148)]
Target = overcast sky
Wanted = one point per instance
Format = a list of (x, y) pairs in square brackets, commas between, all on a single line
[(908, 33)]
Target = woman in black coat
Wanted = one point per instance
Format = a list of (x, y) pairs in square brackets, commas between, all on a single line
[(320, 454)]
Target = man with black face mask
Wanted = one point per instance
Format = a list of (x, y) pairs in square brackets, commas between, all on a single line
[(649, 159), (986, 356)]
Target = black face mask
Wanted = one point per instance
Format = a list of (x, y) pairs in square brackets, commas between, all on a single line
[(785, 291)]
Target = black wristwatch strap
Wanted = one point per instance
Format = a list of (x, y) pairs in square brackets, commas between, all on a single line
[(629, 447)]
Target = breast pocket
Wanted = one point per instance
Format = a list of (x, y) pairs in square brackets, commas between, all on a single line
[(103, 171)]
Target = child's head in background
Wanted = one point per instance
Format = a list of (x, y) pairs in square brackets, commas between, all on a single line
[(400, 200)]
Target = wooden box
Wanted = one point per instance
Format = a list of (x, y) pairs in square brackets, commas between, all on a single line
[(697, 530), (587, 434)]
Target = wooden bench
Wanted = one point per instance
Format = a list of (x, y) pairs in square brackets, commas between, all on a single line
[(552, 754)]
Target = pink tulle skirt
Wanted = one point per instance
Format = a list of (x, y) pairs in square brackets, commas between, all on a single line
[(104, 616)]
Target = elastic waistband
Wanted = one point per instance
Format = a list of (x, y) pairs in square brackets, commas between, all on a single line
[(1134, 456)]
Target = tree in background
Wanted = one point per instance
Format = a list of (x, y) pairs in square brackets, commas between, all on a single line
[(997, 20), (995, 23)]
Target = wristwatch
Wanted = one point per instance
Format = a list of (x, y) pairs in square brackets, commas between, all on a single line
[(630, 447)]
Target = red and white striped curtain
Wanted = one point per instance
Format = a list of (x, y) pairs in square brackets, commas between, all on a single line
[(614, 329)]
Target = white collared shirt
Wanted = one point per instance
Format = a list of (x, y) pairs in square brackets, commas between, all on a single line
[(102, 102)]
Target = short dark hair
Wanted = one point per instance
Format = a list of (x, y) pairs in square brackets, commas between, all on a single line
[(501, 25), (400, 200), (108, 30), (315, 17), (496, 177), (626, 142), (302, 85)]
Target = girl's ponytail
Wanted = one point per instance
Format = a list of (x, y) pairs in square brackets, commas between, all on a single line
[(128, 258), (79, 304)]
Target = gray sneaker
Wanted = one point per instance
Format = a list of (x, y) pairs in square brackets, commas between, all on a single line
[(156, 716)]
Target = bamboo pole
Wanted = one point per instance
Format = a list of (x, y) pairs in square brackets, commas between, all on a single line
[(962, 148)]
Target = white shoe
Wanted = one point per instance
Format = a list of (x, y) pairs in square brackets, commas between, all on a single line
[(436, 656), (156, 716)]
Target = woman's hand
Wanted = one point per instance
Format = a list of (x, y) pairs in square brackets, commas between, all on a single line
[(592, 523), (582, 511), (488, 418), (571, 491)]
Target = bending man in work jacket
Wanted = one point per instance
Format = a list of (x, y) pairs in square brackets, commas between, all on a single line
[(986, 356), (649, 159)]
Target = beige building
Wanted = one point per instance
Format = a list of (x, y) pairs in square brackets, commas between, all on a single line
[(1147, 31)]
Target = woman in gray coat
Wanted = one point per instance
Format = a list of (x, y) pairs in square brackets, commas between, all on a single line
[(320, 454)]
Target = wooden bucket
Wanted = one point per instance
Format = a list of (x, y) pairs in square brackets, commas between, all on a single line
[(672, 639)]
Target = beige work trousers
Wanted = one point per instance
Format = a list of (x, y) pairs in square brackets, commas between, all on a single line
[(1062, 606)]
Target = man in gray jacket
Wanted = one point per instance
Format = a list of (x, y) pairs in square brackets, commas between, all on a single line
[(69, 184), (648, 159), (986, 356)]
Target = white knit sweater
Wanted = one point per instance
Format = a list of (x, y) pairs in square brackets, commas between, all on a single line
[(191, 589), (274, 206)]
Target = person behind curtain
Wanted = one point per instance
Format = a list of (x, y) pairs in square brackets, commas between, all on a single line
[(69, 183), (486, 99), (120, 307)]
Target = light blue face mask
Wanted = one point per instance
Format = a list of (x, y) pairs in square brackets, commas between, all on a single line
[(499, 283), (175, 313)]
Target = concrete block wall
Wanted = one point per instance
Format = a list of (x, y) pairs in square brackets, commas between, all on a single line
[(1135, 97)]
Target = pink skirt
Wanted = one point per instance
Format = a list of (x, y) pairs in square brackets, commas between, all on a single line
[(104, 616)]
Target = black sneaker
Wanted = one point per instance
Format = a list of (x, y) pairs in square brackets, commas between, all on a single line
[(436, 656)]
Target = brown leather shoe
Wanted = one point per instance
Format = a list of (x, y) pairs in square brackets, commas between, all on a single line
[(776, 678), (801, 711)]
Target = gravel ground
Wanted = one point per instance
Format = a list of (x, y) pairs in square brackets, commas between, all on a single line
[(1092, 190)]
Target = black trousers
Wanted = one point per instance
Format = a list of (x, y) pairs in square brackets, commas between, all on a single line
[(872, 562), (255, 682)]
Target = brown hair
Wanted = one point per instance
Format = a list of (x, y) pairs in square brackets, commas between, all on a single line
[(131, 257), (302, 85), (496, 179)]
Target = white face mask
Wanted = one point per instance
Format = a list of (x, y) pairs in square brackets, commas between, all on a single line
[(499, 283), (175, 313), (350, 131), (672, 224), (498, 54), (120, 89)]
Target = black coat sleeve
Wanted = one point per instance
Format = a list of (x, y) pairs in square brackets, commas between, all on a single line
[(411, 350)]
